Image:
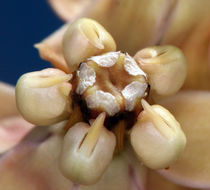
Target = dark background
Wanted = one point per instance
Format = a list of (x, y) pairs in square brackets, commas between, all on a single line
[(23, 23)]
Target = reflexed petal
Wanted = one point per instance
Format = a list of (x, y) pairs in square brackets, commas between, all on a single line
[(135, 24), (154, 180), (12, 130), (143, 23), (50, 49), (189, 29), (68, 9), (7, 100), (192, 111), (119, 25), (186, 17), (35, 167), (12, 127), (197, 53), (32, 165)]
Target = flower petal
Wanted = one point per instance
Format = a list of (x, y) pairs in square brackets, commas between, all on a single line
[(120, 25), (33, 164), (189, 29), (155, 180), (192, 111), (12, 127), (197, 54), (12, 130), (50, 49), (68, 9), (7, 100), (142, 23)]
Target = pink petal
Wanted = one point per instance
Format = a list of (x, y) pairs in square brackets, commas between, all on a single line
[(68, 9), (148, 31), (154, 181), (12, 130), (50, 49), (33, 164), (142, 23), (7, 100), (191, 109), (12, 127), (189, 29)]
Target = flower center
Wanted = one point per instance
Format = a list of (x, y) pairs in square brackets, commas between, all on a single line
[(111, 83)]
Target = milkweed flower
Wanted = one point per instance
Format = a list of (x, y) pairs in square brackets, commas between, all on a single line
[(124, 167), (103, 111)]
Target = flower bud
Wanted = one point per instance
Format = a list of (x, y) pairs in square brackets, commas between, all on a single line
[(157, 137), (87, 151), (165, 67), (42, 97), (83, 39)]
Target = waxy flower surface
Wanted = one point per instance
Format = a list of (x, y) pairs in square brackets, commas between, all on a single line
[(104, 102), (100, 95)]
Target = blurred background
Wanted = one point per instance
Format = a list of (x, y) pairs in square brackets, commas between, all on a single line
[(23, 23)]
